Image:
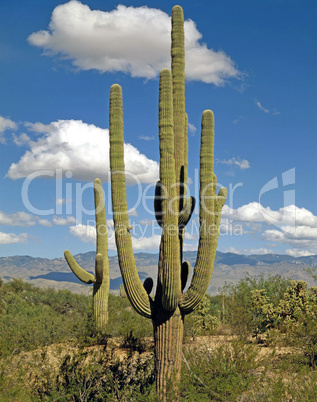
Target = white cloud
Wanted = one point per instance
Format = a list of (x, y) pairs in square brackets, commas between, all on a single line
[(265, 110), (290, 215), (146, 243), (70, 220), (302, 240), (44, 222), (147, 222), (250, 251), (146, 138), (238, 119), (38, 127), (12, 238), (242, 164), (6, 124), (24, 219), (82, 149), (192, 129), (17, 219), (87, 234), (292, 226), (190, 247), (21, 139), (299, 253), (60, 201), (285, 235), (190, 236), (135, 41)]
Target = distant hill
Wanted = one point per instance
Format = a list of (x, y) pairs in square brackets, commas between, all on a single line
[(229, 267)]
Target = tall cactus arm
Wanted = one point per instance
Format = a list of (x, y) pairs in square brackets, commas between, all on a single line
[(169, 269), (102, 262), (101, 223), (132, 283), (81, 274), (210, 210), (178, 74), (185, 153)]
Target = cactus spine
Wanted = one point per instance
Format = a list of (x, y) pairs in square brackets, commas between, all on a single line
[(101, 278), (170, 304)]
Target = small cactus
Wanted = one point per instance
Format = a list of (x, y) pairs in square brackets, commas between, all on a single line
[(101, 279)]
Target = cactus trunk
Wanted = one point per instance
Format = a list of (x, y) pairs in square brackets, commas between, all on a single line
[(173, 211), (168, 341)]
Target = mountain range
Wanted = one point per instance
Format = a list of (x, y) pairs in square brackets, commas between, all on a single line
[(229, 268)]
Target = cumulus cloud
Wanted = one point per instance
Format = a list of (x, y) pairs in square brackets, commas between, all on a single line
[(59, 221), (82, 149), (12, 238), (21, 139), (299, 253), (303, 239), (17, 219), (146, 243), (292, 226), (135, 41), (24, 219), (289, 216), (87, 234), (190, 247), (6, 124), (242, 164), (45, 222)]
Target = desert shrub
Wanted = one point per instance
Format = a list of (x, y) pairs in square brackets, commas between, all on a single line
[(94, 376), (240, 306), (123, 319), (32, 317), (302, 332), (204, 320), (132, 343), (220, 373)]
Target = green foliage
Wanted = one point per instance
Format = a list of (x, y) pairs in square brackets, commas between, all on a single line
[(94, 376), (32, 317), (204, 320), (224, 370), (222, 373), (242, 302)]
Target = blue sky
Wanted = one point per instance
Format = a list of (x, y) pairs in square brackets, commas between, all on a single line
[(252, 63)]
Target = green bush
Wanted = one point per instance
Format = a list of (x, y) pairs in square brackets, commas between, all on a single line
[(240, 307), (93, 376), (221, 373)]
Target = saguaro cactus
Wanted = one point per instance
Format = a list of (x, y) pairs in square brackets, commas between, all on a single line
[(171, 303), (101, 279)]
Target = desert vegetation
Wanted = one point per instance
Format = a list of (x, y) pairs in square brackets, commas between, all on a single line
[(256, 340)]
